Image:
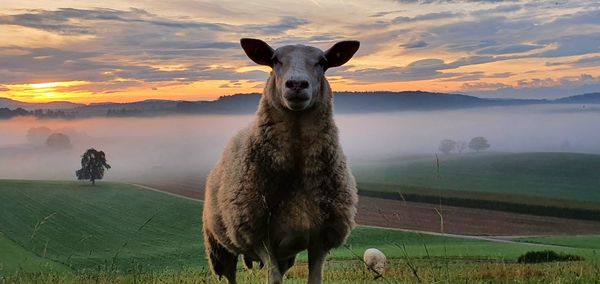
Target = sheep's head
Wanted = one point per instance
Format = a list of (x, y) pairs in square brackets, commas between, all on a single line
[(379, 267), (298, 70)]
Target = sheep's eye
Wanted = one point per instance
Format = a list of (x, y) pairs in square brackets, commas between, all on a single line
[(322, 62), (276, 60)]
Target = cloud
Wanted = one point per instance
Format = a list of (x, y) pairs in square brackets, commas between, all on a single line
[(393, 74), (474, 76), (537, 87), (415, 44), (136, 28), (491, 36), (501, 75), (509, 49), (468, 46), (3, 88), (425, 17), (385, 13), (501, 34), (284, 24), (484, 87), (60, 21), (131, 46), (192, 74), (591, 61), (584, 17), (474, 60), (424, 69), (451, 1), (580, 80), (106, 87), (503, 9), (572, 45), (419, 70), (231, 84), (488, 30), (49, 64)]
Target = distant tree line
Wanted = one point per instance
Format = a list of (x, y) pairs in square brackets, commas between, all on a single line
[(6, 113), (476, 144), (123, 112), (48, 113)]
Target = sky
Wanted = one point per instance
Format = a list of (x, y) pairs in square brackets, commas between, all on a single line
[(97, 51)]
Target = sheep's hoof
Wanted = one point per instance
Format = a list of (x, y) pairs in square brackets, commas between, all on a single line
[(249, 262)]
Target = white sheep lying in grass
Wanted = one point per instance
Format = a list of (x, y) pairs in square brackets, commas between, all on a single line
[(374, 260)]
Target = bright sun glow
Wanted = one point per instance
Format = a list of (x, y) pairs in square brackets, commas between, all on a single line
[(47, 85), (52, 85), (45, 92)]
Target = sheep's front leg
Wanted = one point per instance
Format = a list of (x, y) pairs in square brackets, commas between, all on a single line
[(316, 260), (267, 256), (275, 276)]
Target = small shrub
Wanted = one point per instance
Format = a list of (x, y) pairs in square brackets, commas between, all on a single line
[(547, 256)]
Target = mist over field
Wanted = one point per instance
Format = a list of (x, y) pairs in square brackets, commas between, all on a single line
[(141, 148)]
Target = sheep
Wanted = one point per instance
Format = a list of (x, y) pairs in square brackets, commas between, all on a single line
[(282, 185), (374, 260)]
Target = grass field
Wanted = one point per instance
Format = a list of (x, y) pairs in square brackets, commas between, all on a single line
[(83, 226), (425, 271), (586, 241), (111, 232), (558, 176), (15, 258)]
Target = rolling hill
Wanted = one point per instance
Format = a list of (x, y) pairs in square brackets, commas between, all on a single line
[(358, 102), (592, 98), (82, 226), (562, 177), (13, 104), (345, 102), (72, 232), (74, 226)]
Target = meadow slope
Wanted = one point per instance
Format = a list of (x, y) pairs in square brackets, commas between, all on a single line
[(113, 232), (529, 176)]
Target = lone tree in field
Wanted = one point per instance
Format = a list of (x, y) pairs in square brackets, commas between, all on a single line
[(447, 146), (93, 164), (479, 144)]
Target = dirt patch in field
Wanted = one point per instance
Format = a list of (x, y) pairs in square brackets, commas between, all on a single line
[(192, 187), (424, 216), (465, 221)]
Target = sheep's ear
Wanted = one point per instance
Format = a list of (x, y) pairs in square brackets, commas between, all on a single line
[(258, 50), (340, 53)]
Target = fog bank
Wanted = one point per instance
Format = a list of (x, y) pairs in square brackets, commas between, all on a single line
[(139, 148)]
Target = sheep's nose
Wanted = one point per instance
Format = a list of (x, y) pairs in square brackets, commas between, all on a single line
[(296, 84)]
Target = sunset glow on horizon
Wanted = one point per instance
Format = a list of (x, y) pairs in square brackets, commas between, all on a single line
[(182, 50)]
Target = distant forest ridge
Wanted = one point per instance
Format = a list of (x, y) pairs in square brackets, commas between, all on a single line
[(345, 102)]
